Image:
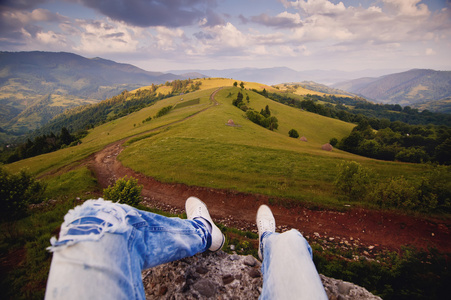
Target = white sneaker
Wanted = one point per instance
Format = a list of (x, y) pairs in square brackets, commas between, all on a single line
[(195, 208), (265, 223)]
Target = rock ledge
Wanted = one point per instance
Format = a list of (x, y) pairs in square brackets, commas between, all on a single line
[(223, 276)]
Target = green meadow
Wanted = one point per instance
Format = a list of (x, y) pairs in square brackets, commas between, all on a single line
[(193, 144)]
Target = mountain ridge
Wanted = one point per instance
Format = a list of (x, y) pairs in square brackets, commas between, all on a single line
[(413, 87), (278, 75), (66, 80)]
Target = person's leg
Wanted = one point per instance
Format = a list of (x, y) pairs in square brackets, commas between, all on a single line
[(104, 246), (288, 269)]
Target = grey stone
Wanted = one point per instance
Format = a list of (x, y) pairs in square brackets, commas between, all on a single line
[(205, 287), (249, 261), (234, 257), (344, 288), (254, 273), (201, 270), (228, 279)]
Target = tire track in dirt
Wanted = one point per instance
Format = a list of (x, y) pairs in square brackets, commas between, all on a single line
[(370, 230)]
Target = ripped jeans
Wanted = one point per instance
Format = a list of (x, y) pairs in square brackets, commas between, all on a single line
[(288, 269), (104, 246)]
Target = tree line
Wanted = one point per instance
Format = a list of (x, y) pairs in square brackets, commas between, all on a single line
[(421, 137), (399, 141), (39, 145), (354, 109)]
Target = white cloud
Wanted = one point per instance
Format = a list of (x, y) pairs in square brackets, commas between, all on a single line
[(430, 51), (51, 38), (396, 21), (323, 7), (411, 8), (166, 38), (219, 39), (107, 36)]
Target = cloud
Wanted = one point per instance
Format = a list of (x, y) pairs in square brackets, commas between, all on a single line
[(430, 51), (16, 27), (319, 7), (20, 4), (52, 39), (167, 38), (411, 8), (396, 21), (145, 13), (282, 20), (219, 40), (106, 36)]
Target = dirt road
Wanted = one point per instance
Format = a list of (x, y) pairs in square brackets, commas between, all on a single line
[(368, 230)]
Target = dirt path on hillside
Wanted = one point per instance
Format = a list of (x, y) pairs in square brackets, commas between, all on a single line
[(368, 230)]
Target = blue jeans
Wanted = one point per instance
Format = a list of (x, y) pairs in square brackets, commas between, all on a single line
[(104, 246), (288, 269)]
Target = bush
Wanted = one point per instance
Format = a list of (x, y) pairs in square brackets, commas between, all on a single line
[(293, 133), (164, 111), (17, 191), (397, 192), (126, 191), (333, 142), (412, 154), (352, 180)]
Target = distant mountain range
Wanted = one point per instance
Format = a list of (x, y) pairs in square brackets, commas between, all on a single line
[(72, 74), (36, 86), (421, 88), (271, 76)]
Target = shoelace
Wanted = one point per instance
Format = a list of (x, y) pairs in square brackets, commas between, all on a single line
[(266, 225)]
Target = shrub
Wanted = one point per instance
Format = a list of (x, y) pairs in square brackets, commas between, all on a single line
[(125, 190), (271, 123), (352, 180), (432, 194), (293, 133), (412, 154), (17, 191), (397, 192), (333, 142), (164, 111)]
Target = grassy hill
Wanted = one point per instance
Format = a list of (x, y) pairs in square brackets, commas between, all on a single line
[(312, 88), (193, 145), (63, 80)]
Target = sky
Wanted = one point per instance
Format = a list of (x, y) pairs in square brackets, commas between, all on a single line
[(162, 35)]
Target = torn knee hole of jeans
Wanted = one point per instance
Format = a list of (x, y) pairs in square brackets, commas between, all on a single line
[(89, 222)]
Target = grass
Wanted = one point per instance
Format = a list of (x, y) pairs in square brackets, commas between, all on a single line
[(25, 241), (187, 103), (203, 151), (71, 183), (110, 132), (193, 145)]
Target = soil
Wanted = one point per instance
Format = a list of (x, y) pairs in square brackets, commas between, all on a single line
[(371, 230)]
